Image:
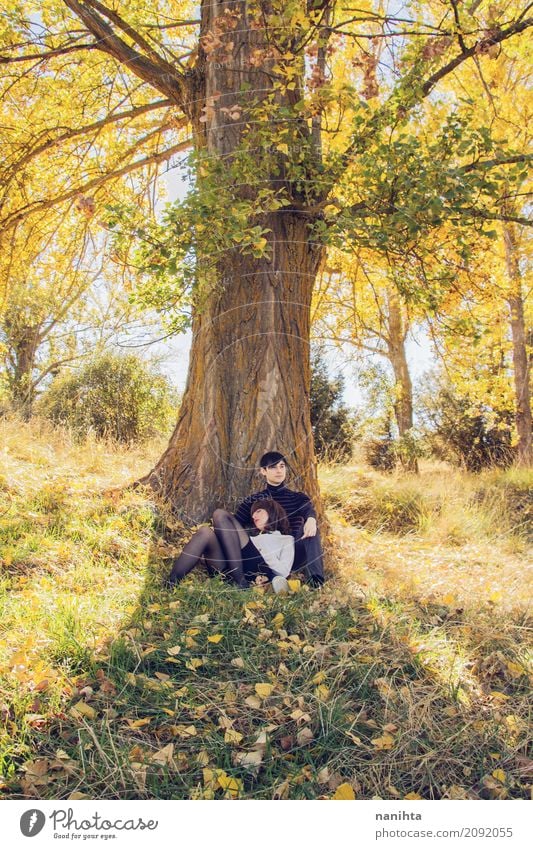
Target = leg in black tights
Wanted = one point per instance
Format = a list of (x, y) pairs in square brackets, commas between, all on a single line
[(203, 543), (232, 538)]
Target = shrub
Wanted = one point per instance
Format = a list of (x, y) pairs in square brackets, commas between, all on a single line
[(396, 507), (113, 396), (474, 439)]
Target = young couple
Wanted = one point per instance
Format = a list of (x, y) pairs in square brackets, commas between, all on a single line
[(286, 537)]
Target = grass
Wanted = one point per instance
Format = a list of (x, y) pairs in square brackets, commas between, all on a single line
[(407, 676)]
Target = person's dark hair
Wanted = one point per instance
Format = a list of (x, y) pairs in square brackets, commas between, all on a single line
[(277, 517), (271, 458)]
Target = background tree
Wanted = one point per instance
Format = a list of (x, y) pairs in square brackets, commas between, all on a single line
[(333, 425)]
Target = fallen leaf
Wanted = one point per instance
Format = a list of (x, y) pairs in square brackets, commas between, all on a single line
[(81, 708), (232, 736), (286, 742), (344, 791), (323, 776), (264, 690), (305, 736), (215, 638), (383, 743), (138, 723), (251, 760), (164, 756), (174, 650)]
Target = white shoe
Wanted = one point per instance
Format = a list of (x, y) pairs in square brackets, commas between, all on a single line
[(280, 585)]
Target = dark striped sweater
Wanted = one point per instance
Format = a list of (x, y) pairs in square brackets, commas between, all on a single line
[(297, 505)]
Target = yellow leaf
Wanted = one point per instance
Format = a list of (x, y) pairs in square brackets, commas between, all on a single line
[(232, 736), (81, 708), (184, 730), (194, 663), (264, 690), (138, 723), (384, 742), (412, 796), (499, 775), (322, 692), (202, 758), (253, 702), (231, 785), (501, 697), (294, 585), (174, 650), (215, 638), (238, 662), (278, 620), (344, 791)]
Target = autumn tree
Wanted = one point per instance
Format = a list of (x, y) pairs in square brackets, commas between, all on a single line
[(358, 305), (300, 114)]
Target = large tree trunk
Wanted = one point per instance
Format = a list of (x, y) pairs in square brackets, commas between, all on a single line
[(403, 390), (521, 369), (248, 384)]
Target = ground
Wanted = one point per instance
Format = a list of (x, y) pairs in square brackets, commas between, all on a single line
[(405, 677)]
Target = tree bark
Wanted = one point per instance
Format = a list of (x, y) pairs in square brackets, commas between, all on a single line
[(521, 366), (23, 342), (403, 403), (248, 384)]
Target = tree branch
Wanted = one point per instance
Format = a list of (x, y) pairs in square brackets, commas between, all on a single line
[(419, 92), (493, 163), (484, 43), (154, 70), (59, 51), (72, 133), (13, 219)]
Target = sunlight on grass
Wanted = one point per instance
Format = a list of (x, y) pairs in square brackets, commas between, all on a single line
[(407, 676)]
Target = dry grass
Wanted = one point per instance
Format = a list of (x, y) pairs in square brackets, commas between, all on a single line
[(406, 677)]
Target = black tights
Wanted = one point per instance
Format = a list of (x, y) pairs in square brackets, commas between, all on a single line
[(220, 548)]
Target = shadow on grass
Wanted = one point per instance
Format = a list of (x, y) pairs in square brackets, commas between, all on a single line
[(211, 692)]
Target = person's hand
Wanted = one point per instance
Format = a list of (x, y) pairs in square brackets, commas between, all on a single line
[(309, 528)]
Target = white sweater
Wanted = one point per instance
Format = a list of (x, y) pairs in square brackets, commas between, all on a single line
[(277, 550)]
